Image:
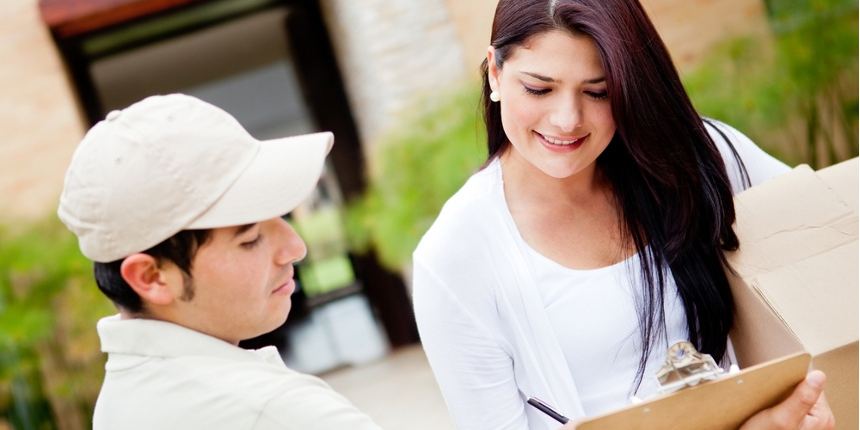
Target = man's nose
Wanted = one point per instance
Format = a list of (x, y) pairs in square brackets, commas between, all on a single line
[(291, 247)]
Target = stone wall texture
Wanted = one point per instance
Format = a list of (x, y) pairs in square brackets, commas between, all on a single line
[(390, 52)]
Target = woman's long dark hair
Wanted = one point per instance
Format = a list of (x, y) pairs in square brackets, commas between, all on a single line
[(668, 176)]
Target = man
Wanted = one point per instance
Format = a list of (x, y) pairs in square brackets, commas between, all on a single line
[(181, 211)]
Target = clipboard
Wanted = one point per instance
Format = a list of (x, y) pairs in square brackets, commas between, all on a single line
[(721, 404)]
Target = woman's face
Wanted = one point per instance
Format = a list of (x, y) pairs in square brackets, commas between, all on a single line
[(554, 104)]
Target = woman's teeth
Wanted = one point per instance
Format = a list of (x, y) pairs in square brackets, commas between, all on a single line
[(560, 142)]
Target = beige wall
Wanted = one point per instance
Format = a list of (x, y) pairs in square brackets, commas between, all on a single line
[(390, 52), (688, 27), (473, 20), (691, 27), (38, 117)]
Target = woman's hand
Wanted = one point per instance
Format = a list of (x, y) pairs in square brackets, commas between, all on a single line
[(805, 409), (571, 425)]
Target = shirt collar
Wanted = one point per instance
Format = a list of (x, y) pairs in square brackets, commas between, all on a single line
[(153, 338)]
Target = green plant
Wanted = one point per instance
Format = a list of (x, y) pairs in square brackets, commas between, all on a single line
[(794, 93), (419, 165), (326, 267), (50, 363)]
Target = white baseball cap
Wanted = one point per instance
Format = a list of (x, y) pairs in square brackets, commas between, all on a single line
[(174, 162)]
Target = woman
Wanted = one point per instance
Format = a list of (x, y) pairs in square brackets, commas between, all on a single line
[(594, 234)]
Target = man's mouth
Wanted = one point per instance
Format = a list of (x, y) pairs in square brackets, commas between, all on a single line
[(287, 288)]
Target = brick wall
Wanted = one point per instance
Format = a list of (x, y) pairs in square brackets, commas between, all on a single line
[(38, 115)]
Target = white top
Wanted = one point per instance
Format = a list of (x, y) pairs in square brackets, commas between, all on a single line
[(498, 327), (163, 376), (577, 301)]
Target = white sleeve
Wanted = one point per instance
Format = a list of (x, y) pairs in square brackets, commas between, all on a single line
[(305, 402), (759, 165), (474, 372)]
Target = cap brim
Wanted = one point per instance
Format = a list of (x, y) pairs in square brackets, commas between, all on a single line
[(281, 176)]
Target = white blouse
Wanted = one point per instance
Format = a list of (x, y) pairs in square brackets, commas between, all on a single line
[(577, 301)]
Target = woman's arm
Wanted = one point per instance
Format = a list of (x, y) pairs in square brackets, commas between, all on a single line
[(758, 164), (474, 373)]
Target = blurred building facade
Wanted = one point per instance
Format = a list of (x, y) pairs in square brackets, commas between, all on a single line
[(389, 52), (281, 67)]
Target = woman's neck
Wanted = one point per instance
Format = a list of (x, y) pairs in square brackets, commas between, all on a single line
[(573, 221), (525, 183)]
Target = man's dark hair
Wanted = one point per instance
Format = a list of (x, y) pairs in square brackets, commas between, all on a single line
[(179, 249)]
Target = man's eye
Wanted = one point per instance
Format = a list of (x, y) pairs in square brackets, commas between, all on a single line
[(252, 243)]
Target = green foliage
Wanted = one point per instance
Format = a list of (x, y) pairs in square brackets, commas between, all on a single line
[(50, 363), (418, 167), (795, 93), (326, 267)]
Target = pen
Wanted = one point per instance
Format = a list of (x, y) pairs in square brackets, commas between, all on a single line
[(547, 409)]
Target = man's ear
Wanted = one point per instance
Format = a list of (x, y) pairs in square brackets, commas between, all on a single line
[(142, 273)]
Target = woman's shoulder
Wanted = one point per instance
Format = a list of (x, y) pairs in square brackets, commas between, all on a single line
[(466, 216), (742, 157)]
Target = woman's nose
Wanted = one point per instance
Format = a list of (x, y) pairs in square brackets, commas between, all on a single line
[(566, 115)]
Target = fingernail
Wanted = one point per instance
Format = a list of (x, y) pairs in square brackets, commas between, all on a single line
[(816, 378)]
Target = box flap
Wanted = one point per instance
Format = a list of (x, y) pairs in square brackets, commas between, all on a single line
[(817, 298), (843, 179), (787, 219)]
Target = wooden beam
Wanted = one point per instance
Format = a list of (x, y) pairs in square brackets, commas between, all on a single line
[(69, 18)]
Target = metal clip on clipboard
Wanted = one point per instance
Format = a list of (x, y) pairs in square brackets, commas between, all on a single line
[(685, 367)]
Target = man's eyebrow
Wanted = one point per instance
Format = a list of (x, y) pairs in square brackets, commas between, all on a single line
[(551, 80), (243, 228)]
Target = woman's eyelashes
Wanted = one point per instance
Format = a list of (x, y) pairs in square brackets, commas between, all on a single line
[(535, 91), (597, 95)]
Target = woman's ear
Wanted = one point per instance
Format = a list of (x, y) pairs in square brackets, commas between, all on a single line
[(143, 275), (492, 69)]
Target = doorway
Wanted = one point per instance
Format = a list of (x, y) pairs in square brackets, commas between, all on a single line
[(270, 64)]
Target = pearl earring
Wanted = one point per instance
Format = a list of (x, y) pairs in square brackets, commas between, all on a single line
[(494, 96)]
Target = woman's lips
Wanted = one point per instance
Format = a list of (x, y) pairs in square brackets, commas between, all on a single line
[(558, 144)]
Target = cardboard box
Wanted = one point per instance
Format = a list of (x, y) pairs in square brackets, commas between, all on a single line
[(796, 277)]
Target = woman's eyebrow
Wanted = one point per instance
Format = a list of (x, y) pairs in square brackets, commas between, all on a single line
[(540, 77), (551, 80)]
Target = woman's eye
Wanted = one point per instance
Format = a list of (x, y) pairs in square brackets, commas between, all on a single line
[(599, 95), (534, 91), (252, 243)]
